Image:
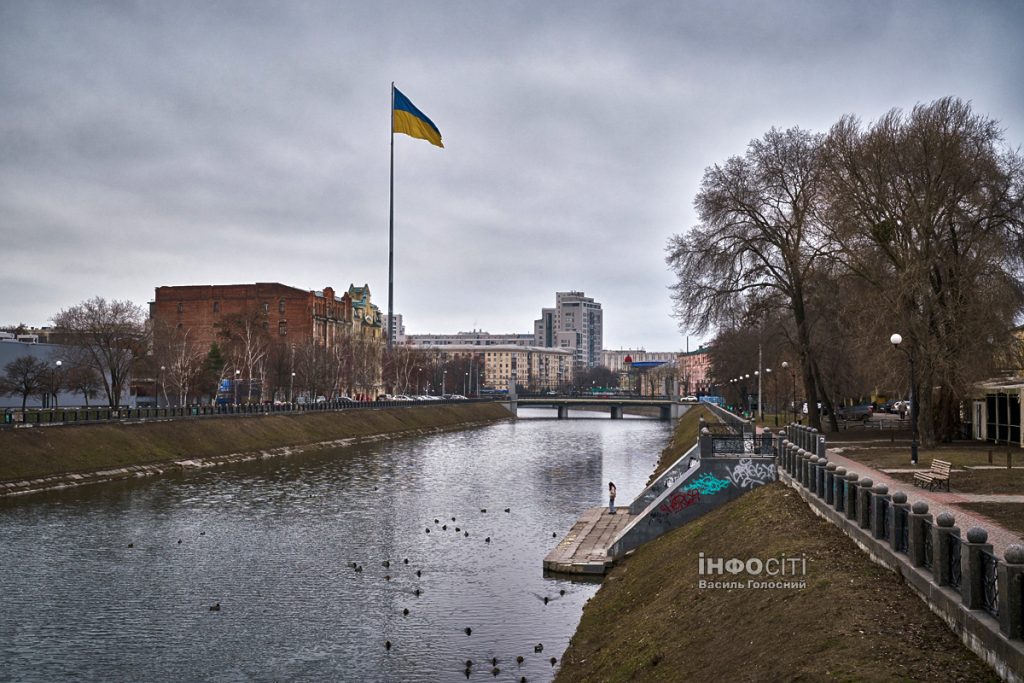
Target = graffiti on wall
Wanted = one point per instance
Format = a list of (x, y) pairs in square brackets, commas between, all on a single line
[(679, 501), (707, 484), (748, 474)]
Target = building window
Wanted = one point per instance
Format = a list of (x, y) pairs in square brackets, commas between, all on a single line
[(266, 326), (216, 307), (266, 308), (181, 307), (280, 306), (282, 328)]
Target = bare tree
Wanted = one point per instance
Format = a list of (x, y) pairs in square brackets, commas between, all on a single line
[(246, 341), (24, 376), (83, 380), (181, 360), (758, 244), (104, 336), (927, 208)]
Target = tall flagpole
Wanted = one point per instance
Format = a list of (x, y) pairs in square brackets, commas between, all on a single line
[(391, 227)]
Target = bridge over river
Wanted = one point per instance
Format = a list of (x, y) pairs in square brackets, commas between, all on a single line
[(669, 409)]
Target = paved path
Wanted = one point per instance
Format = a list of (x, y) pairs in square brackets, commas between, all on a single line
[(584, 550), (941, 501)]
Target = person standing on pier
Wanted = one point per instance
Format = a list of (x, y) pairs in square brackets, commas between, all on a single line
[(611, 498)]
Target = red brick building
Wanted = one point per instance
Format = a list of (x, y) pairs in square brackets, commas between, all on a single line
[(287, 314)]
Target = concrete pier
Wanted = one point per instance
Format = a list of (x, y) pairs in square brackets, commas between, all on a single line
[(584, 550)]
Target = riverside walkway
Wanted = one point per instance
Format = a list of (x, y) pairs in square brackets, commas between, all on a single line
[(940, 501), (584, 550)]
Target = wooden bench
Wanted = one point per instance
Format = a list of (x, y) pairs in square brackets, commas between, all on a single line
[(938, 474)]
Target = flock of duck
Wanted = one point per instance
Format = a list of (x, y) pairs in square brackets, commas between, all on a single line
[(386, 564), (468, 630)]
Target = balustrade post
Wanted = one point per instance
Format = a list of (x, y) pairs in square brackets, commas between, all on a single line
[(864, 502), (706, 443), (819, 472), (899, 538), (849, 484), (812, 474), (942, 531), (830, 483), (920, 524), (972, 589), (880, 511), (1011, 578)]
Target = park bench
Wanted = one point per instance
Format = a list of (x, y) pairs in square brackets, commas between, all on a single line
[(938, 474)]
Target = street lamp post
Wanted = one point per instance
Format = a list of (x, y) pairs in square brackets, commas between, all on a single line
[(792, 382), (444, 382), (237, 375), (896, 340), (160, 380), (760, 410), (291, 387), (56, 384)]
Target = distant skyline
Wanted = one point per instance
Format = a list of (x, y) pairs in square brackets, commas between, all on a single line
[(152, 143)]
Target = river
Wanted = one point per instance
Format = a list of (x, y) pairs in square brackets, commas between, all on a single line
[(115, 582)]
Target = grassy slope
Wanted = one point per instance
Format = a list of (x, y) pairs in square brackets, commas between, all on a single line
[(35, 452), (854, 621)]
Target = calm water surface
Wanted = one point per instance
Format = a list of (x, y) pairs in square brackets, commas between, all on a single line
[(272, 542)]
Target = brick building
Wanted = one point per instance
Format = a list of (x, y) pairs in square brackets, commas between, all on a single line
[(277, 341), (290, 315)]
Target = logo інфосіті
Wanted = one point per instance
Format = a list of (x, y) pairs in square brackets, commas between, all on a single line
[(768, 573)]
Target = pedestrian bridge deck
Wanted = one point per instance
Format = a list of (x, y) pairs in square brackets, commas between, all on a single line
[(584, 550)]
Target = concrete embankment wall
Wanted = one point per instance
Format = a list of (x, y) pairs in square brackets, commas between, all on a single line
[(51, 457), (692, 487)]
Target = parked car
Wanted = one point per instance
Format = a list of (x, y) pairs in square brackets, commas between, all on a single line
[(901, 406), (689, 399), (862, 411)]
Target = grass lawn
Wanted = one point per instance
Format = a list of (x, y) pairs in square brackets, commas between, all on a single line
[(978, 481), (651, 621), (1009, 515), (885, 450)]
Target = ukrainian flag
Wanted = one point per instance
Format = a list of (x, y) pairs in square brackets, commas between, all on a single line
[(406, 118)]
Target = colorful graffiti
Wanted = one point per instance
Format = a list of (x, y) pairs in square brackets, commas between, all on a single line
[(748, 474), (680, 500), (707, 484)]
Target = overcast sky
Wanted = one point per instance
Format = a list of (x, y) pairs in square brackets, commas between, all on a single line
[(174, 143)]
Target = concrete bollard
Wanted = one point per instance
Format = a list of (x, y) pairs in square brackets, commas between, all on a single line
[(819, 487), (880, 527), (920, 524), (942, 531), (850, 486), (1011, 578), (822, 447), (972, 582), (899, 531), (863, 504), (830, 483), (706, 443), (812, 474)]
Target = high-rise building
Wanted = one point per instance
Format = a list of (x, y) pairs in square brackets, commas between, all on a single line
[(397, 328), (576, 323), (476, 337)]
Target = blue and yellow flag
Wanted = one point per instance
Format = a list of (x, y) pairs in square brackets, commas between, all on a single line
[(406, 118)]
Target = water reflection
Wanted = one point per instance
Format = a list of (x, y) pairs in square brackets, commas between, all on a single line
[(273, 543)]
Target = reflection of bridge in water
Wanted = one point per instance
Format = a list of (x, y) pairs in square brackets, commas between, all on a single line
[(669, 409)]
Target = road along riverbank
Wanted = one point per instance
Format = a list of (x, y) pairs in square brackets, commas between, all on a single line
[(46, 458)]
